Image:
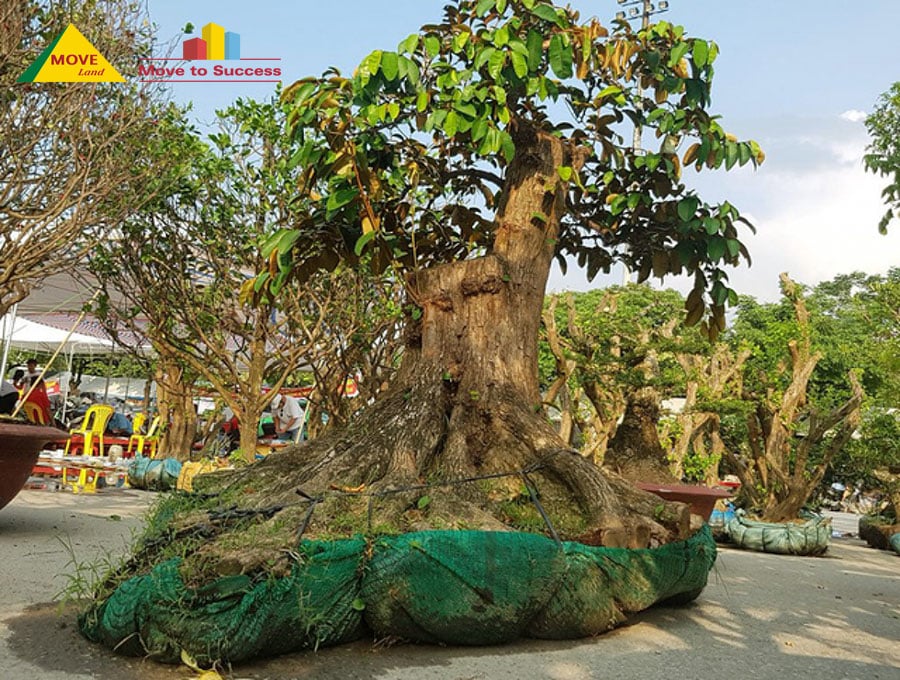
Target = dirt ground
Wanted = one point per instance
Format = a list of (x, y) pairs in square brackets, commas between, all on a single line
[(762, 616)]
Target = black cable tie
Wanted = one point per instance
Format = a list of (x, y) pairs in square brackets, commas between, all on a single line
[(540, 509)]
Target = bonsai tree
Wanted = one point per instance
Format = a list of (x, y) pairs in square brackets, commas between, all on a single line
[(791, 440), (616, 348), (465, 161)]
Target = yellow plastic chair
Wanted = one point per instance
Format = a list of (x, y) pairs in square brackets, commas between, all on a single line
[(34, 413), (137, 424), (85, 479), (151, 438), (93, 426)]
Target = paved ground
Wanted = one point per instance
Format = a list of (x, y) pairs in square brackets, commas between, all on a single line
[(762, 616)]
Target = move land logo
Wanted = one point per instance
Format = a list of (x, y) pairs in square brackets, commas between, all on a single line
[(216, 44), (71, 58)]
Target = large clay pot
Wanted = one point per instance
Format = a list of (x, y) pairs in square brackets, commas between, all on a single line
[(20, 445), (702, 499)]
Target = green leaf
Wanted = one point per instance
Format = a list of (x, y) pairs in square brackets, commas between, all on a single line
[(362, 241), (423, 502), (564, 172), (520, 64), (373, 61), (711, 224), (358, 604), (389, 65), (501, 36), (678, 53), (496, 63), (733, 246), (479, 129), (340, 198), (547, 13), (507, 146), (422, 101), (410, 44), (288, 239), (701, 53), (716, 249), (451, 123), (484, 6), (694, 91), (731, 155), (535, 45), (687, 208), (466, 108), (560, 57), (432, 46)]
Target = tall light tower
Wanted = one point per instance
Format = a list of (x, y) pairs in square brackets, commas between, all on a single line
[(634, 9), (643, 9)]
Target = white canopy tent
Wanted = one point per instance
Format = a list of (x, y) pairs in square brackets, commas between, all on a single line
[(22, 333), (56, 334)]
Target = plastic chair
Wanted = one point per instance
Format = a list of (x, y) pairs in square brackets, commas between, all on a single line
[(151, 438), (137, 423), (93, 426), (34, 413)]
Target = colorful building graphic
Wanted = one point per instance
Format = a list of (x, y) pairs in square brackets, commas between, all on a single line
[(217, 44), (214, 44)]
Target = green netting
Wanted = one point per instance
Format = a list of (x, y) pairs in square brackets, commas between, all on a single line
[(784, 538), (455, 587), (464, 588), (895, 543)]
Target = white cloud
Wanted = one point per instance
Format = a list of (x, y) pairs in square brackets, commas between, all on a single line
[(816, 216), (854, 115)]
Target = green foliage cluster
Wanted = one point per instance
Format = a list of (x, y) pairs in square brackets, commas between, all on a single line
[(883, 153), (409, 157), (854, 323)]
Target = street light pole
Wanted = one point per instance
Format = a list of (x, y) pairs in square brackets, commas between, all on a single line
[(646, 10)]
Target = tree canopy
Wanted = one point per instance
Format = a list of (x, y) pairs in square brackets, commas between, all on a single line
[(409, 156), (74, 157)]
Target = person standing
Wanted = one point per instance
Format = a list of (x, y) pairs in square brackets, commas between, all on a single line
[(33, 373), (288, 416)]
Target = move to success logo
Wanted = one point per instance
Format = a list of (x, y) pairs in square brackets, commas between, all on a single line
[(217, 44), (71, 58)]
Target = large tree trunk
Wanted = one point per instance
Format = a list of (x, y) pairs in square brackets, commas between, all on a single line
[(635, 452), (465, 405)]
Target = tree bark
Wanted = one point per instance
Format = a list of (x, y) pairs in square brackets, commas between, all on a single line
[(635, 452), (176, 411)]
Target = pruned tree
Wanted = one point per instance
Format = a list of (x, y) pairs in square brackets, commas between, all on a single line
[(468, 159), (783, 464), (615, 349), (713, 386), (73, 160)]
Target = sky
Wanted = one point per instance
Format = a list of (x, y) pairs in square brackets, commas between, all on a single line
[(798, 77)]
